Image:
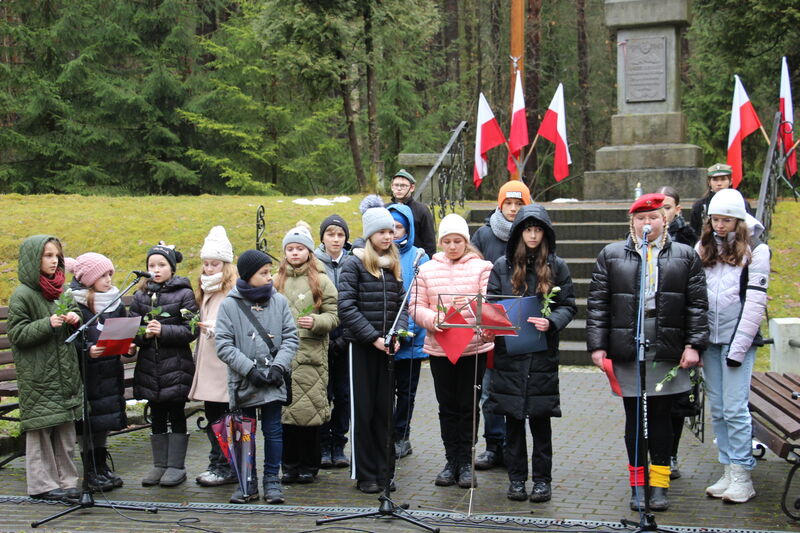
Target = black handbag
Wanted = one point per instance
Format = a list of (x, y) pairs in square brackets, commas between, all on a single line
[(273, 351)]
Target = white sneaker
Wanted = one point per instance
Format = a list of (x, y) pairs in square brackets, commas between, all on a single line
[(741, 488), (718, 489)]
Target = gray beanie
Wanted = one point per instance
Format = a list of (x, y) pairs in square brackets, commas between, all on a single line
[(299, 235), (375, 219)]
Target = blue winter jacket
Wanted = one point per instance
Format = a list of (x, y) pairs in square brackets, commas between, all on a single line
[(410, 348)]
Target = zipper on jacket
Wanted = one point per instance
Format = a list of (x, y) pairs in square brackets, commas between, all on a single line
[(383, 279)]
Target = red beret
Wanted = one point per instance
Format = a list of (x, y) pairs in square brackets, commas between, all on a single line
[(647, 202)]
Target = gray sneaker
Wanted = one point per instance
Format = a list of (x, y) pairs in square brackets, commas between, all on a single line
[(402, 448), (674, 471)]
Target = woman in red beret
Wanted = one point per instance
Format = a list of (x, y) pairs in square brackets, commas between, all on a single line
[(675, 328)]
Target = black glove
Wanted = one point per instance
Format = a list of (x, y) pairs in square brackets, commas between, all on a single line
[(275, 376), (257, 377), (732, 362)]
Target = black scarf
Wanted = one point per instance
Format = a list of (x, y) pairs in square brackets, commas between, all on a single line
[(259, 295)]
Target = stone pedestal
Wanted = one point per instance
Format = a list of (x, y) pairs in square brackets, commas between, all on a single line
[(648, 134), (419, 165)]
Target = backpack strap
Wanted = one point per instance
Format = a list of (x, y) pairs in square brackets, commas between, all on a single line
[(259, 328)]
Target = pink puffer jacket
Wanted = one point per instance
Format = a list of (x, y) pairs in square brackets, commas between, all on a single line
[(468, 275)]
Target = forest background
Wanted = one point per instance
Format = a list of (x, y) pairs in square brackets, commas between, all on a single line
[(185, 97)]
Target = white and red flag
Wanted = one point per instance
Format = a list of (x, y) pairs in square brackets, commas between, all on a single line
[(117, 334), (787, 115), (744, 121), (518, 136), (487, 135), (554, 129)]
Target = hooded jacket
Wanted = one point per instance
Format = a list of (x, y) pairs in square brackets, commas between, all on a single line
[(334, 269), (526, 385), (681, 302), (488, 243), (441, 276), (240, 346), (48, 374), (425, 236), (410, 348), (310, 405), (165, 366)]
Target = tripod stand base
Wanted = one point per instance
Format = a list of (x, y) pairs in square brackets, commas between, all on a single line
[(86, 501), (647, 523), (387, 508)]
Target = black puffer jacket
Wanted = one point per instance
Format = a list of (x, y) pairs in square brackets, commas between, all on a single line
[(165, 366), (105, 378), (526, 385), (681, 302), (368, 305), (488, 243)]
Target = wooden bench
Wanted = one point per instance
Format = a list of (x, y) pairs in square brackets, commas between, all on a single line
[(775, 410)]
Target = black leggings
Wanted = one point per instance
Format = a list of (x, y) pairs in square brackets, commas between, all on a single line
[(659, 425), (161, 412)]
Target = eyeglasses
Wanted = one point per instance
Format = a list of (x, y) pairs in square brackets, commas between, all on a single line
[(400, 186)]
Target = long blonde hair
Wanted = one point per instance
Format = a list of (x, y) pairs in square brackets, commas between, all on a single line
[(229, 275), (733, 253), (312, 272), (372, 260)]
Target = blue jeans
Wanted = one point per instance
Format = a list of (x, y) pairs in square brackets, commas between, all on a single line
[(728, 391), (494, 426), (272, 430)]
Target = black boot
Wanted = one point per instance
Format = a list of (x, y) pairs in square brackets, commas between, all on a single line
[(239, 496), (326, 459), (447, 476), (97, 482), (637, 499), (101, 457), (658, 499), (465, 478)]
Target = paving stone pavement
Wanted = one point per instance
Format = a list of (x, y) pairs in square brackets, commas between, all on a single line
[(589, 482)]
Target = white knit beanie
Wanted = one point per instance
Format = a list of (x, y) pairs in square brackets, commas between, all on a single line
[(451, 224), (299, 235), (375, 219), (217, 246), (729, 203)]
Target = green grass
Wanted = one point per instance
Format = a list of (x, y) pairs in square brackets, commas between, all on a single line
[(124, 228)]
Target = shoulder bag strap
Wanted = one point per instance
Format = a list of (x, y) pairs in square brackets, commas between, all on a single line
[(259, 328)]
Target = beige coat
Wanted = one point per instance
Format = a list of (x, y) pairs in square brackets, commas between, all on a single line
[(310, 405), (210, 382)]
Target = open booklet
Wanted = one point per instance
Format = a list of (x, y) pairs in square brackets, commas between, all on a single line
[(527, 338)]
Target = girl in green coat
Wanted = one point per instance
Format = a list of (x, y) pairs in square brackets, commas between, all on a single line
[(49, 379), (312, 298)]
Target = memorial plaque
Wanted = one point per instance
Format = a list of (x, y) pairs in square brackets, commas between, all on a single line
[(646, 70)]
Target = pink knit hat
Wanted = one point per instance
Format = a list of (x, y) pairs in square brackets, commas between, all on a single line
[(89, 267)]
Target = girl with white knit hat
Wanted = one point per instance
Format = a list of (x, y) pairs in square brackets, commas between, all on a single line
[(210, 383)]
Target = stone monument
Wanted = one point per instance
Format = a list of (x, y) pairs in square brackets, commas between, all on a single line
[(648, 135)]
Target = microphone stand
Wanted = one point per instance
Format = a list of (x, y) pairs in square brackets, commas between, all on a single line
[(647, 521), (87, 499), (387, 506)]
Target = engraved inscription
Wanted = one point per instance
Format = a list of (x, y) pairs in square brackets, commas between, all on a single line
[(645, 70)]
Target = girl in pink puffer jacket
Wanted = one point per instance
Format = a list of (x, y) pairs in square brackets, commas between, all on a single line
[(459, 269)]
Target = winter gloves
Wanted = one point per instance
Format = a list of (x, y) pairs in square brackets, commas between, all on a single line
[(275, 376), (262, 379)]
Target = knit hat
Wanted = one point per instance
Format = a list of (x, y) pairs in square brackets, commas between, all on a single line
[(720, 169), (375, 219), (451, 224), (403, 173), (334, 220), (729, 203), (89, 267), (172, 255), (299, 235), (647, 202), (514, 189), (399, 217), (217, 246), (251, 262)]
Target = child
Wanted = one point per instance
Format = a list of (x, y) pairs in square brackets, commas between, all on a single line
[(50, 390), (678, 229), (408, 359), (737, 267), (312, 299), (458, 269), (105, 374), (165, 367), (210, 382), (370, 295), (530, 268), (257, 364), (334, 252)]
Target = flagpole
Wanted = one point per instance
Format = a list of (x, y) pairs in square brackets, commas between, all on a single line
[(766, 137), (516, 161), (530, 150)]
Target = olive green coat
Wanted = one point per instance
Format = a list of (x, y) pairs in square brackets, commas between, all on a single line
[(48, 375), (310, 405)]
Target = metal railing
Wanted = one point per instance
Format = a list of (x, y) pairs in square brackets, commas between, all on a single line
[(774, 172), (449, 179)]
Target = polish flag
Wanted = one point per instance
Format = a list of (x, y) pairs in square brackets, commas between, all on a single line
[(744, 121), (518, 136), (117, 334), (554, 129), (487, 136), (787, 115)]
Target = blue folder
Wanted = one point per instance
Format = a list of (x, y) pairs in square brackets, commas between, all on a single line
[(528, 338)]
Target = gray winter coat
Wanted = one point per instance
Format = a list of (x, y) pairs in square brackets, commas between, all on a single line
[(241, 347)]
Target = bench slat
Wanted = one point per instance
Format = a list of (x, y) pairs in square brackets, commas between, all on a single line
[(789, 426), (780, 399), (783, 383), (4, 328), (8, 374), (4, 313), (6, 357), (9, 388), (771, 440), (5, 344), (794, 379)]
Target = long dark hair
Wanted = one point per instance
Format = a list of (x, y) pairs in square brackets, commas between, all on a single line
[(537, 258), (733, 253)]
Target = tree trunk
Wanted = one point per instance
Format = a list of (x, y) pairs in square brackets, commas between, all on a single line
[(533, 55), (372, 100), (451, 38), (352, 135), (583, 84)]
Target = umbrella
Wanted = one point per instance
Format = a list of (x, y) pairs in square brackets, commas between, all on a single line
[(236, 435)]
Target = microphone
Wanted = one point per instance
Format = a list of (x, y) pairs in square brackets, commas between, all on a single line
[(142, 274), (418, 257), (646, 230)]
